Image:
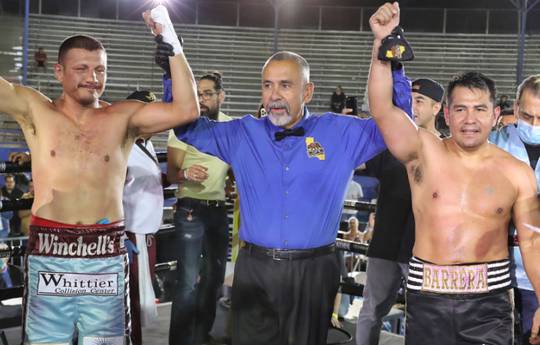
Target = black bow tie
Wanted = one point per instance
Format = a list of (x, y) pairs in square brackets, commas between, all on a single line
[(296, 132)]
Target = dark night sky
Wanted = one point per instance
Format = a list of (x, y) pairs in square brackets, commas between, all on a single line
[(404, 3)]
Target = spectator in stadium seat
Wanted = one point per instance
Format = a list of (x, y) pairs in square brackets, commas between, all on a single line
[(392, 238), (337, 101), (504, 103), (12, 193), (40, 59)]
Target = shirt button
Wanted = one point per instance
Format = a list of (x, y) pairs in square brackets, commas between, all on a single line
[(286, 192), (285, 242), (286, 216), (286, 168)]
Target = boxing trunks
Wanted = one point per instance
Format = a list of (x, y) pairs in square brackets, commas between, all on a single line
[(76, 284), (459, 304)]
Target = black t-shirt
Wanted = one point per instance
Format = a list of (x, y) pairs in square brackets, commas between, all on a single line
[(393, 236), (337, 102), (15, 194), (534, 152)]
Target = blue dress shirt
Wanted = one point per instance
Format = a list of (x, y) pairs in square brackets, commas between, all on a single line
[(292, 191)]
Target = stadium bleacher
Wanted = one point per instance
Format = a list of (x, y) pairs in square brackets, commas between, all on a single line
[(336, 57)]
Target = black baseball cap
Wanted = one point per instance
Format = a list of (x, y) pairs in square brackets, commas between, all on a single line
[(429, 88), (143, 95)]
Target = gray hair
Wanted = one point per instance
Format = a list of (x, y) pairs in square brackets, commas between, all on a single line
[(532, 83), (287, 55)]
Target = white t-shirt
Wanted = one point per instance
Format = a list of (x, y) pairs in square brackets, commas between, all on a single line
[(143, 191)]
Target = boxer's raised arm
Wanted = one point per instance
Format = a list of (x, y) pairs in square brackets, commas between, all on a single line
[(399, 132), (156, 117), (14, 99)]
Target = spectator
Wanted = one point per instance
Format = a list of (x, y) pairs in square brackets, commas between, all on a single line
[(143, 212), (504, 103), (367, 234), (12, 193), (354, 191), (337, 101), (40, 59), (506, 119), (5, 217), (201, 225), (523, 142), (10, 276)]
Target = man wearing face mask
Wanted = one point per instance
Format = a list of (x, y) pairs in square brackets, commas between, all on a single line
[(523, 142)]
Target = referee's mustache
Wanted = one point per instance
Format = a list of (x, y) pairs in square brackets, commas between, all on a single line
[(277, 105)]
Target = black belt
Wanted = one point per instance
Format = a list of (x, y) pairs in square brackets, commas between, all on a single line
[(287, 254), (201, 202)]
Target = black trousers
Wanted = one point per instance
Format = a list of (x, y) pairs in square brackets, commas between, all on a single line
[(460, 320), (285, 302)]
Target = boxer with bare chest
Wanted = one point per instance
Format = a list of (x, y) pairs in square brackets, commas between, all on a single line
[(80, 147), (465, 191)]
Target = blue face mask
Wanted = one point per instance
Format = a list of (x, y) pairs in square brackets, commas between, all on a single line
[(528, 133)]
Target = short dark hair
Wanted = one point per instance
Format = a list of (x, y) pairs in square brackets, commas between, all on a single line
[(472, 80), (214, 76), (78, 41)]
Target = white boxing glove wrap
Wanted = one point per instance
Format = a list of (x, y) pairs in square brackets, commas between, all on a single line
[(160, 15)]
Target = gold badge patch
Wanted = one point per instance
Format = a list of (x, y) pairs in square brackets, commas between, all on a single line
[(314, 149)]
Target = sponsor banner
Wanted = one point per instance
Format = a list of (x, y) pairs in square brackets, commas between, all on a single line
[(75, 284), (455, 279), (81, 246)]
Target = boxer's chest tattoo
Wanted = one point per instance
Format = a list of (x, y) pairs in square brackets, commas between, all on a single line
[(489, 190)]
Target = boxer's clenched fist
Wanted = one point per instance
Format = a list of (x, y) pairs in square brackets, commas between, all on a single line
[(384, 20)]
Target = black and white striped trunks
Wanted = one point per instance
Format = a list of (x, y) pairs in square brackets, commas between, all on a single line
[(458, 279)]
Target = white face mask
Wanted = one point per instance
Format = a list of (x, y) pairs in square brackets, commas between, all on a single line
[(528, 133)]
